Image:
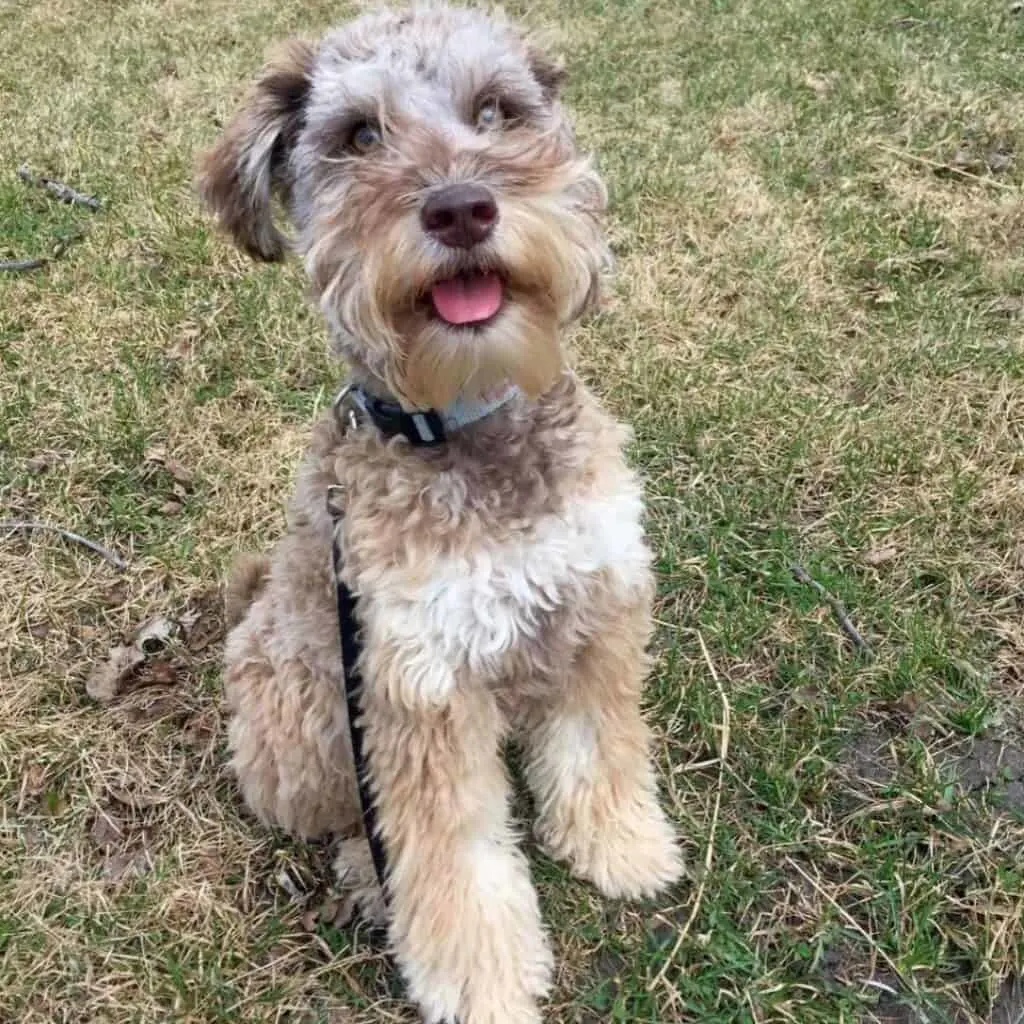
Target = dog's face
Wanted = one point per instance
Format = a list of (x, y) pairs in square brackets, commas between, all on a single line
[(447, 223)]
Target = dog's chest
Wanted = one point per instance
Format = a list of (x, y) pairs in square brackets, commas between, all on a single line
[(471, 610)]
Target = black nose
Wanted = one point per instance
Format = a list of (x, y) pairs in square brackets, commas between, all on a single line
[(460, 216)]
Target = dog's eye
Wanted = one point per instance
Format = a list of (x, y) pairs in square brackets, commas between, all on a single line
[(489, 115), (364, 136)]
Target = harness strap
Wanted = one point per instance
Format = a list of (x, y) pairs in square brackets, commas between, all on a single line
[(426, 428), (350, 648)]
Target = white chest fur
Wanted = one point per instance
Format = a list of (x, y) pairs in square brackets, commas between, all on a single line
[(467, 613)]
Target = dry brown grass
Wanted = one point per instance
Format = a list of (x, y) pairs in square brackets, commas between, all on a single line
[(819, 334)]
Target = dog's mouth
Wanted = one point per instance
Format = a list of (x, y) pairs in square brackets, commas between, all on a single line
[(472, 298)]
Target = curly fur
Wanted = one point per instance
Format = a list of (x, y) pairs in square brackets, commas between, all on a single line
[(504, 582)]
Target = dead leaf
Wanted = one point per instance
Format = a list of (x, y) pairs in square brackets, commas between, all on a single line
[(105, 680), (203, 622), (156, 634), (670, 91), (921, 727), (116, 595), (185, 344), (171, 508), (39, 629), (135, 800), (880, 555), (309, 920), (909, 702), (916, 261), (126, 865), (807, 696), (106, 832), (821, 85), (1010, 306), (33, 780), (181, 473), (964, 160), (200, 729), (907, 22), (43, 461), (999, 160), (882, 297), (157, 456), (155, 708), (159, 673)]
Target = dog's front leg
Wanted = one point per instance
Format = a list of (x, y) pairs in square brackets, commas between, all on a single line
[(465, 922), (589, 766)]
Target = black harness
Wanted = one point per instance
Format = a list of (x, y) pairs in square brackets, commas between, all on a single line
[(423, 429)]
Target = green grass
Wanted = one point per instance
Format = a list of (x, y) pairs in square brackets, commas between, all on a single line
[(818, 335)]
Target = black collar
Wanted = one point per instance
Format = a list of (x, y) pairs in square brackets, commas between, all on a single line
[(423, 429)]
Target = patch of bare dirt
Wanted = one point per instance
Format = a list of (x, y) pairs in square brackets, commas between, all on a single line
[(1008, 1007), (994, 766), (868, 758), (889, 1002)]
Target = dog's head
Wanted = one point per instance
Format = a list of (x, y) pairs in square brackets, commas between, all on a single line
[(447, 222)]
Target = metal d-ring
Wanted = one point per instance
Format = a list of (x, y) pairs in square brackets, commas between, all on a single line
[(341, 404)]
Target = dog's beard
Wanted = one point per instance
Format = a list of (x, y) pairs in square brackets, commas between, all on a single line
[(549, 256), (521, 347)]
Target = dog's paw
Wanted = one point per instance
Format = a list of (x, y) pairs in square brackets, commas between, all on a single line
[(476, 1001), (494, 1010), (356, 880), (631, 857), (491, 966)]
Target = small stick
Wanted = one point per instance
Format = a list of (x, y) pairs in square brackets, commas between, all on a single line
[(65, 193), (28, 525), (709, 853), (937, 165), (16, 266), (801, 576), (61, 246)]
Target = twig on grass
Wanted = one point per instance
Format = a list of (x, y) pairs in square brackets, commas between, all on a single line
[(65, 193), (709, 853), (61, 245), (30, 525), (938, 165), (17, 266), (802, 576)]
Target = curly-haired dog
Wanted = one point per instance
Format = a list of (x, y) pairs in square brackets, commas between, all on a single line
[(451, 233)]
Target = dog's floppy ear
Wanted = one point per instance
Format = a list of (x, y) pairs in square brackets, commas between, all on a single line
[(549, 72), (248, 164)]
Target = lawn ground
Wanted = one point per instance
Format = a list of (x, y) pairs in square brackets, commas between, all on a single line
[(818, 333)]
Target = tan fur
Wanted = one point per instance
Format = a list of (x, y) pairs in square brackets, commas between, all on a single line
[(246, 583), (503, 582)]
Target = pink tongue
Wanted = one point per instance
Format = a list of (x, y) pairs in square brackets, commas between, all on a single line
[(467, 300)]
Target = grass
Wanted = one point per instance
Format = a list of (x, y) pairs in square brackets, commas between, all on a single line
[(818, 333)]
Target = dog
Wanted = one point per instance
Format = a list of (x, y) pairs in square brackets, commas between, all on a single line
[(452, 233)]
